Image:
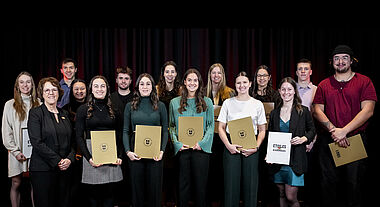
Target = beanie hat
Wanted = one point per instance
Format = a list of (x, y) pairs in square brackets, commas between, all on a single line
[(342, 49)]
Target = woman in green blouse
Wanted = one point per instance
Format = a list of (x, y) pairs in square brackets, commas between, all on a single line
[(145, 109), (193, 161)]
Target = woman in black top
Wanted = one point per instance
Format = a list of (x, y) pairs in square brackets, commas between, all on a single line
[(77, 97), (168, 85), (263, 91), (262, 86), (97, 115), (50, 131), (168, 88)]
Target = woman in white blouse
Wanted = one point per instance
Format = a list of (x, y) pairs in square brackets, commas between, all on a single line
[(15, 117), (241, 165)]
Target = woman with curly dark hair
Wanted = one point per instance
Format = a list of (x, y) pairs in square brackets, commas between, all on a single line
[(97, 115), (169, 84), (168, 87)]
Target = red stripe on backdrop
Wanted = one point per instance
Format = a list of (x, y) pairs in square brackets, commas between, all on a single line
[(100, 54), (148, 58), (272, 59)]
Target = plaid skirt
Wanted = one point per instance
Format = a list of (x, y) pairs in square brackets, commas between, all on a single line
[(99, 175)]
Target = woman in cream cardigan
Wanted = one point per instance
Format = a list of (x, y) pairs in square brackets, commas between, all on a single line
[(15, 117)]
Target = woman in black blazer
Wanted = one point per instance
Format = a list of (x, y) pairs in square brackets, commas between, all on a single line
[(50, 131), (290, 116)]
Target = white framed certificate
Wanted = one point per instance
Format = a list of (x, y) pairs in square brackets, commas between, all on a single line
[(279, 147), (26, 147)]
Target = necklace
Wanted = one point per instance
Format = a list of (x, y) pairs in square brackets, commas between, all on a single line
[(100, 109), (352, 74)]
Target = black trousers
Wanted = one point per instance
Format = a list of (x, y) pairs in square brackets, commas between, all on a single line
[(340, 185), (193, 173), (51, 188), (215, 187), (146, 181), (240, 172), (100, 194)]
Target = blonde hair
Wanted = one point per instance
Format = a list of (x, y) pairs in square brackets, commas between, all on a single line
[(222, 83)]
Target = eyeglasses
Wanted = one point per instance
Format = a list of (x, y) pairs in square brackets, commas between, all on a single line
[(262, 75), (48, 91), (343, 58)]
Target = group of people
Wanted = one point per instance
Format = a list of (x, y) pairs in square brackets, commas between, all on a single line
[(59, 117)]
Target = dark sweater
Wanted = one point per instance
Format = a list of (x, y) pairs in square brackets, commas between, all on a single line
[(100, 120), (144, 115)]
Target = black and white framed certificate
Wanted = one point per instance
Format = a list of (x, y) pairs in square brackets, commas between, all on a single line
[(26, 147)]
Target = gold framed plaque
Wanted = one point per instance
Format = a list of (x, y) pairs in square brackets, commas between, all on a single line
[(147, 141), (354, 152), (190, 129), (103, 144), (242, 132)]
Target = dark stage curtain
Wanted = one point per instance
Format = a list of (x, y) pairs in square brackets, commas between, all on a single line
[(99, 50)]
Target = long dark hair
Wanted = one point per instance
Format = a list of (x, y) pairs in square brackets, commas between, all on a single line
[(71, 95), (199, 94), (73, 105), (161, 86), (91, 99), (297, 102), (269, 91), (137, 96)]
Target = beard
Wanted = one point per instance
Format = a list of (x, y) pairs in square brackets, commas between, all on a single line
[(341, 70)]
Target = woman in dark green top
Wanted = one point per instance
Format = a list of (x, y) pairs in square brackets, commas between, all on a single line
[(193, 161), (145, 109)]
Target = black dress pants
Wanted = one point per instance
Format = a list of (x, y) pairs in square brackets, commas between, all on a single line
[(193, 173), (340, 185), (146, 181), (51, 188)]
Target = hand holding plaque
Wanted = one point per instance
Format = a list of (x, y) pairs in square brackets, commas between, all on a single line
[(103, 144), (147, 141), (242, 133), (190, 130), (279, 148), (344, 155)]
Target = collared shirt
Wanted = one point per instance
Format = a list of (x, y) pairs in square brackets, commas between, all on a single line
[(307, 94), (342, 100), (66, 95)]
